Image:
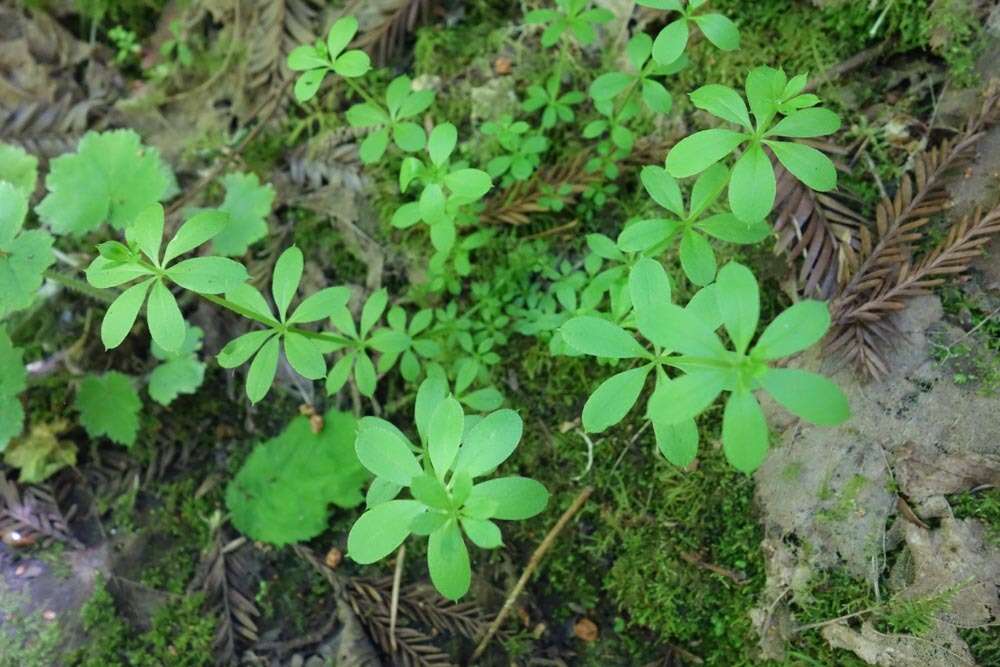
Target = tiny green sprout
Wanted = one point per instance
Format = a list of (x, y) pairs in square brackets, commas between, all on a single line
[(402, 103), (446, 504), (555, 107), (119, 264), (406, 343), (523, 148), (304, 349), (359, 339), (696, 254), (177, 46), (752, 187), (447, 188), (572, 16), (315, 61), (656, 97), (673, 39), (709, 368)]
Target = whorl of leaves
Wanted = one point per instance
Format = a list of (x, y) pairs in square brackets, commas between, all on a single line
[(883, 273), (230, 586), (33, 513), (398, 20), (813, 229)]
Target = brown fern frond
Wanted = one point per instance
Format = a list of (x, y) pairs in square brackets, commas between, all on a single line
[(881, 274), (815, 230), (275, 28), (397, 20), (519, 203), (46, 130), (30, 514), (229, 585)]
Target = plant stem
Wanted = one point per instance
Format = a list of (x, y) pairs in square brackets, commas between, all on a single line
[(273, 324), (361, 92), (81, 287)]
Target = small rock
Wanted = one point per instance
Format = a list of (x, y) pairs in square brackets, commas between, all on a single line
[(333, 558), (49, 615), (502, 66)]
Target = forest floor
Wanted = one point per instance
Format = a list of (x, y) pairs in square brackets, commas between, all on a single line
[(877, 542)]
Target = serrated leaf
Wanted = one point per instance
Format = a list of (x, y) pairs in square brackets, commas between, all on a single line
[(283, 491), (24, 255), (111, 177), (18, 168), (41, 453), (109, 406), (248, 203)]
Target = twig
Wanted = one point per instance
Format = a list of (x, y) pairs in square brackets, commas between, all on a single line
[(397, 577), (533, 563), (695, 559), (854, 62)]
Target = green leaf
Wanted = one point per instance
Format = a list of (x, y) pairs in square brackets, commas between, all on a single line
[(752, 187), (663, 189), (208, 275), (671, 42), (613, 399), (364, 374), (795, 329), (386, 452), (430, 394), (807, 123), (248, 204), (340, 35), (19, 169), (656, 96), (724, 102), (286, 279), (373, 309), (146, 232), (381, 530), (649, 285), (410, 137), (601, 338), (338, 375), (181, 374), (24, 256), (433, 204), (431, 492), (442, 142), (728, 227), (677, 442), (484, 533), (308, 83), (706, 307), (282, 493), (11, 420), (685, 397), (13, 376), (320, 305), (445, 435), (642, 235), (111, 177), (352, 64), (198, 229), (807, 395), (719, 30), (448, 561), (367, 115), (109, 406), (697, 258), (701, 150), (489, 443), (469, 184), (515, 498), (638, 49), (807, 164), (609, 85), (306, 57), (744, 432), (304, 356), (739, 303), (764, 87), (262, 370), (166, 324), (373, 147), (121, 314), (106, 273), (237, 351)]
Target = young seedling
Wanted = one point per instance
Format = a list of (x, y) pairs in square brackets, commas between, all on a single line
[(555, 107), (317, 60), (570, 17), (402, 103), (752, 186), (446, 504)]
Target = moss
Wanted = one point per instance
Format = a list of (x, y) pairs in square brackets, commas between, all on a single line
[(181, 635), (26, 639), (983, 505), (181, 518)]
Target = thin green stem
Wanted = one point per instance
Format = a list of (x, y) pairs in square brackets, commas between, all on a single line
[(361, 92), (273, 324), (81, 287)]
